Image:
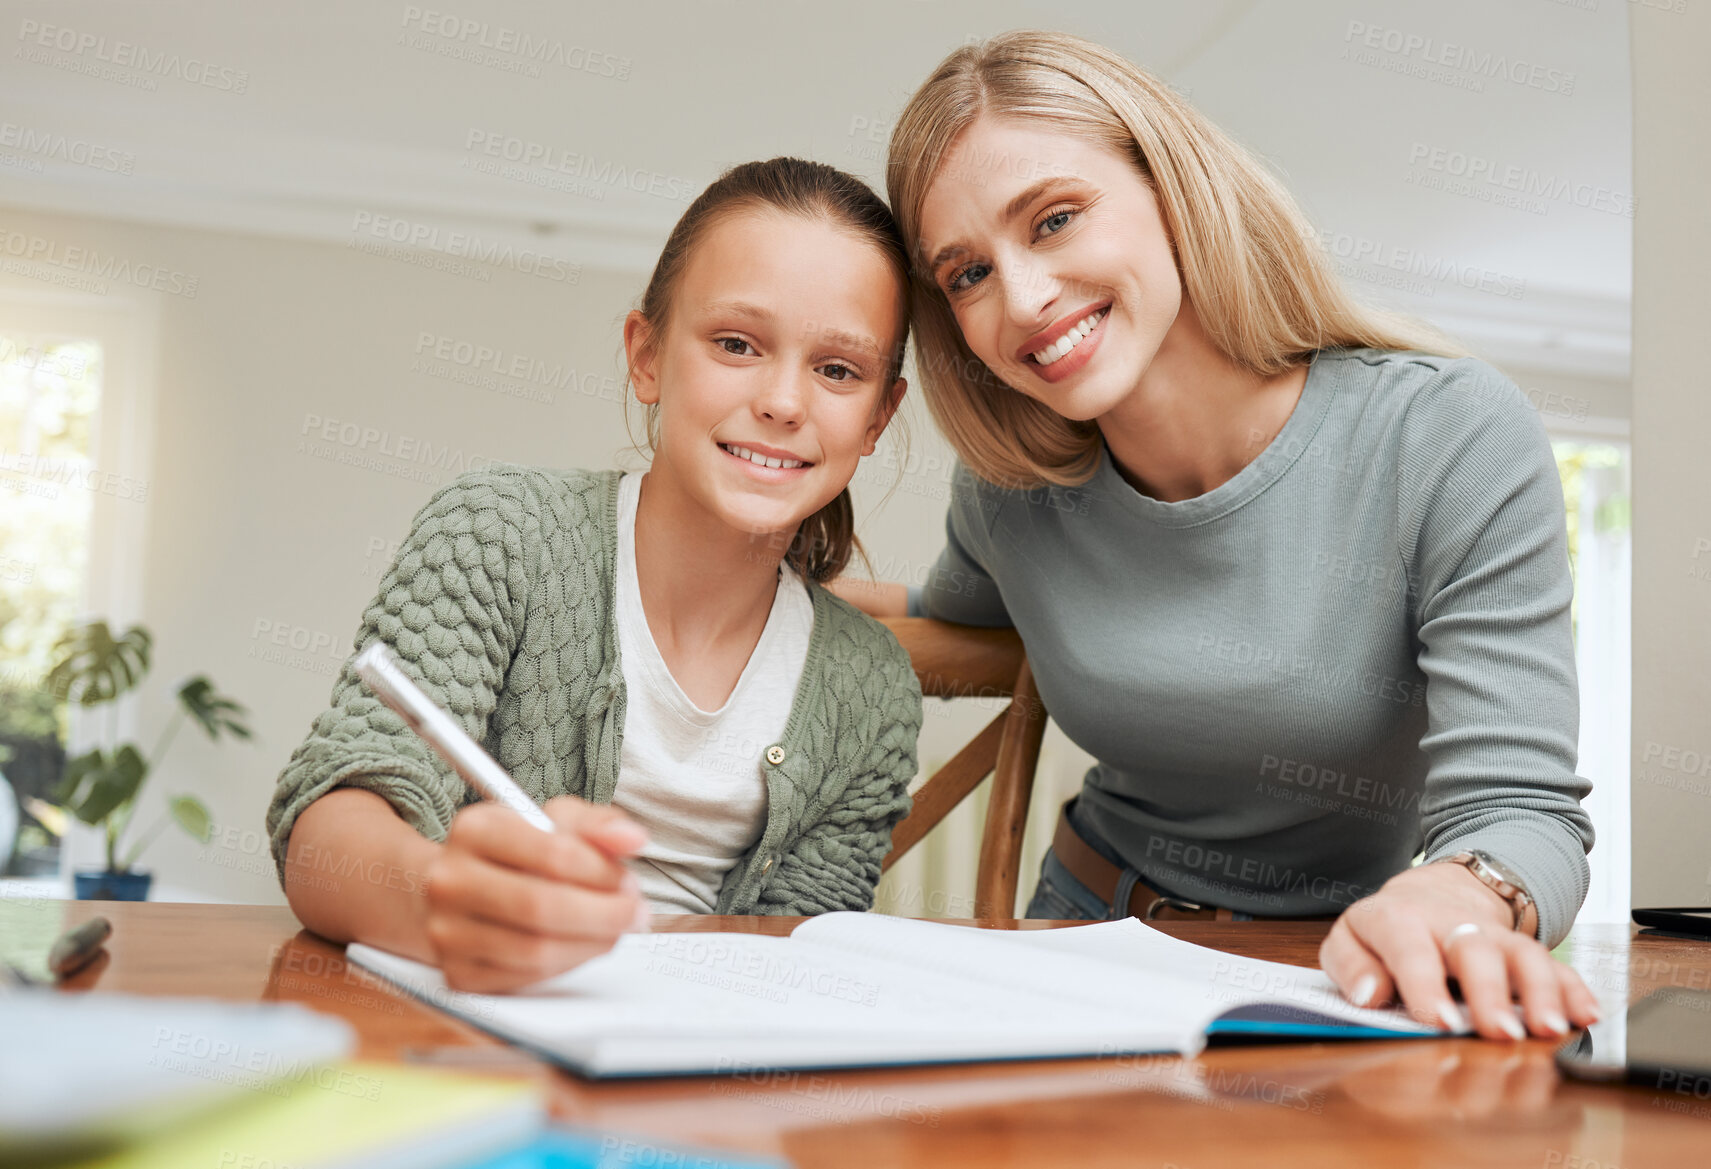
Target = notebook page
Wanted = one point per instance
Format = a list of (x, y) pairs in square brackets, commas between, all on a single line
[(744, 996), (1151, 993), (1220, 981)]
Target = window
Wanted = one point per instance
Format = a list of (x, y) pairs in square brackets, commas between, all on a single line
[(1595, 479), (50, 396)]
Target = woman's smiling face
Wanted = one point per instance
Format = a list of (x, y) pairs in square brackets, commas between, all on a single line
[(1055, 261)]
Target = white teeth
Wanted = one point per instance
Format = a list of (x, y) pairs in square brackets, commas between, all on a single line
[(1069, 340), (760, 460)]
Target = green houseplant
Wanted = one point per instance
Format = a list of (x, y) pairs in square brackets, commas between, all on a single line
[(100, 787)]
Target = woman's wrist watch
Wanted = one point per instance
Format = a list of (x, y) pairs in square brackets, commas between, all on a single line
[(1497, 875)]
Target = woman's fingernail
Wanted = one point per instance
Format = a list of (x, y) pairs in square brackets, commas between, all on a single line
[(1554, 1023), (1362, 994), (1453, 1017), (1511, 1026), (629, 884), (644, 920)]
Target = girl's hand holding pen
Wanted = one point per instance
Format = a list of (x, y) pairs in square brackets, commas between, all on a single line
[(508, 906)]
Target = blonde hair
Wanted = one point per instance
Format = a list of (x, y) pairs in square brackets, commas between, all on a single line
[(823, 543), (1250, 263)]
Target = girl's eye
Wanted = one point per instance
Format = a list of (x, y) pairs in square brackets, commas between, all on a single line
[(1055, 222), (726, 343), (974, 274), (839, 373)]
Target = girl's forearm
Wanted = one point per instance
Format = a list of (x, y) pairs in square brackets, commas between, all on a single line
[(356, 872)]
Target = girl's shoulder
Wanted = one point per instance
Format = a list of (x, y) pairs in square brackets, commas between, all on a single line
[(535, 500), (857, 650)]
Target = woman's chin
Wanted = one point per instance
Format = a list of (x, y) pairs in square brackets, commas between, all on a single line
[(1080, 403)]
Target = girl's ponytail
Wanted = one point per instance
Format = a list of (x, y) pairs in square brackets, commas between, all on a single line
[(825, 541)]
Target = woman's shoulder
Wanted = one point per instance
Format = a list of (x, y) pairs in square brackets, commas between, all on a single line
[(1428, 385)]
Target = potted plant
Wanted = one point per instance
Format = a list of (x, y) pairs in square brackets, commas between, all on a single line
[(100, 787)]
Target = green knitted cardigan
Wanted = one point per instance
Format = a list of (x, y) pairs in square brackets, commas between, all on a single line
[(500, 605)]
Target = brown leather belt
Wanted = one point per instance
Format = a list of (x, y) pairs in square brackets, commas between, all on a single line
[(1145, 902)]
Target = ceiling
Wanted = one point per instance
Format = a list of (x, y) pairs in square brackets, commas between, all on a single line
[(1368, 110)]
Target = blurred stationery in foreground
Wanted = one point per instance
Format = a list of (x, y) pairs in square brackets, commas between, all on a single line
[(126, 1082), (855, 990), (569, 1149)]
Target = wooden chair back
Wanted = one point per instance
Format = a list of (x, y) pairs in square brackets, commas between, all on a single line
[(961, 661)]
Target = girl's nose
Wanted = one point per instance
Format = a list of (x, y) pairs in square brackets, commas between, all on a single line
[(784, 400)]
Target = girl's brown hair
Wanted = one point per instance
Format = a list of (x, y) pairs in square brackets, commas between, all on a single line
[(1250, 262), (825, 541)]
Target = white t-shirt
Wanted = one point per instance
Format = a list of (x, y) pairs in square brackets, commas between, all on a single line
[(693, 777)]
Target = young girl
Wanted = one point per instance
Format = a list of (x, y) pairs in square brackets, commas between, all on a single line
[(651, 655)]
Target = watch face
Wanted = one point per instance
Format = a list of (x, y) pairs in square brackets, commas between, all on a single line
[(1499, 870)]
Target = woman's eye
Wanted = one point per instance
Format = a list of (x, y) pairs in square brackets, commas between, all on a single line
[(972, 273), (1055, 222), (734, 346)]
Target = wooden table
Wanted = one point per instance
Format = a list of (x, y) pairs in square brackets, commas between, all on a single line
[(1435, 1103)]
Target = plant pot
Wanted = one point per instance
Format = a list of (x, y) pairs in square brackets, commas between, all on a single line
[(99, 885)]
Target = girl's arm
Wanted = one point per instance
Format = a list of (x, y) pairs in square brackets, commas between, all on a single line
[(361, 808), (498, 906), (355, 872)]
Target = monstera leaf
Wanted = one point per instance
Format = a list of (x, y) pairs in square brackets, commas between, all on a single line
[(96, 783), (212, 712), (95, 667), (192, 816)]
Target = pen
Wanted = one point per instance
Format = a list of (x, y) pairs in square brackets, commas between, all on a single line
[(377, 666), (78, 946)]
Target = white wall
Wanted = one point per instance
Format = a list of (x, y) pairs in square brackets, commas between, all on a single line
[(253, 195), (245, 534), (1672, 427)]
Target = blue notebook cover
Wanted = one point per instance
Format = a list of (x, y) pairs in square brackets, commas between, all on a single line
[(560, 1148)]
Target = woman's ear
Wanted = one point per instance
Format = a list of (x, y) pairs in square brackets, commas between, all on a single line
[(639, 356), (887, 410)]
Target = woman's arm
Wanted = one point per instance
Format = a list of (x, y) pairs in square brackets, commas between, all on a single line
[(876, 598), (1487, 564), (958, 587)]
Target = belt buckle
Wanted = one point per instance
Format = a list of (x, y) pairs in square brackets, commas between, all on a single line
[(1176, 903)]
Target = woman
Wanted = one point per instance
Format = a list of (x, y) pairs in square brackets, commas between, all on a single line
[(652, 654), (1291, 572)]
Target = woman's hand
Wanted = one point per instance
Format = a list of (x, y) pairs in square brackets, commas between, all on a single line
[(1436, 922), (509, 905)]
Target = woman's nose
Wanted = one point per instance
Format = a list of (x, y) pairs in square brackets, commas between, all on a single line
[(1029, 293)]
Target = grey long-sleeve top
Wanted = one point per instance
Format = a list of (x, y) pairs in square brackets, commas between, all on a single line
[(1357, 648)]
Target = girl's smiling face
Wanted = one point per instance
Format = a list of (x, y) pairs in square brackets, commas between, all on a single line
[(1055, 261), (772, 376)]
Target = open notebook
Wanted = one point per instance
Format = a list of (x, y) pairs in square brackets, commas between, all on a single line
[(864, 989)]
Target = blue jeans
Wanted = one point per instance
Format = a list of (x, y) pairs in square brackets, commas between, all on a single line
[(1059, 895)]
